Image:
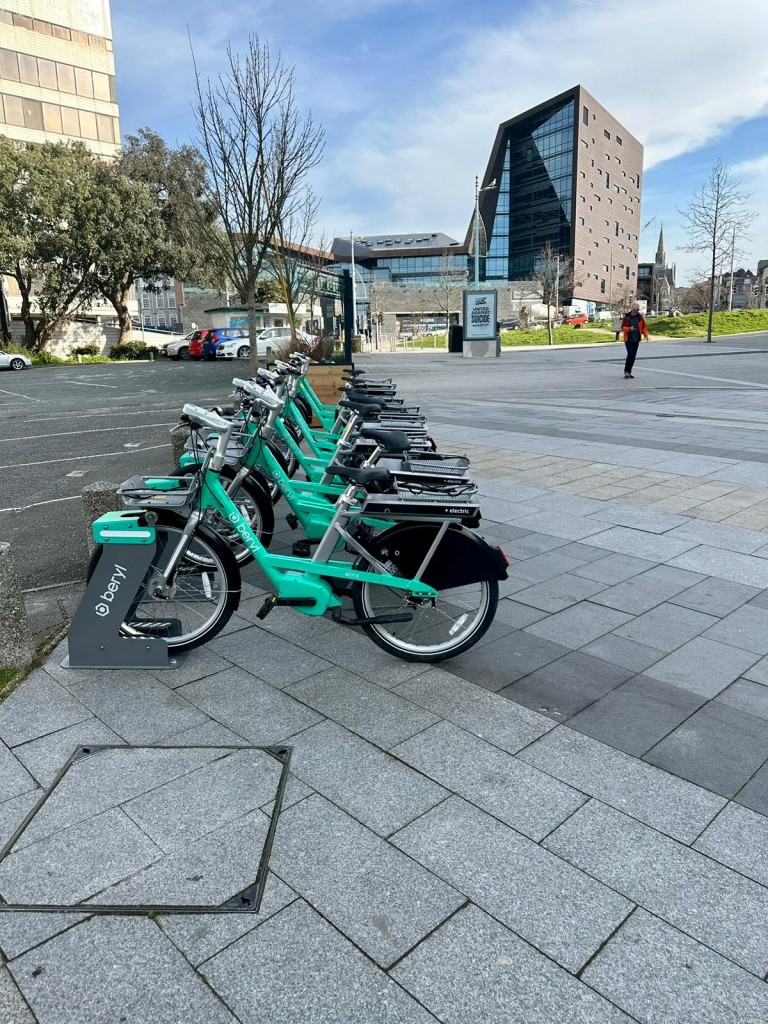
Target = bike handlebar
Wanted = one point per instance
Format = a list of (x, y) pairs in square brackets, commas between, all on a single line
[(264, 396), (206, 417)]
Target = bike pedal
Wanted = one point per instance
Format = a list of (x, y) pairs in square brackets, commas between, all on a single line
[(292, 521), (375, 620), (301, 549), (284, 602)]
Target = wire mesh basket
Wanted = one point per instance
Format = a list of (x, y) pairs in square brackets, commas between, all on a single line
[(158, 491)]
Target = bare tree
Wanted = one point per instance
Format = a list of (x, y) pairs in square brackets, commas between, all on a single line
[(622, 298), (552, 280), (714, 218), (298, 261), (449, 284), (258, 151)]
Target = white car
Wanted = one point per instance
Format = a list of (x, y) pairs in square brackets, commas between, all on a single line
[(14, 361), (179, 349), (237, 348), (279, 340)]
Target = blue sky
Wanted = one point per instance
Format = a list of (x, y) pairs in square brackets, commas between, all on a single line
[(411, 92)]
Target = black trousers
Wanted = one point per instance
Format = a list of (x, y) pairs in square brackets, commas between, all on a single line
[(632, 344)]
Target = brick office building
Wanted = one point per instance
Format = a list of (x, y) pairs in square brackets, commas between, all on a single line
[(568, 173)]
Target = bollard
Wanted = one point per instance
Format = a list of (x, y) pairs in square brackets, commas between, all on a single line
[(179, 437), (98, 498), (16, 649)]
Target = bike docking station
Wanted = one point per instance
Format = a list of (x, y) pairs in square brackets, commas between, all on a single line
[(95, 639)]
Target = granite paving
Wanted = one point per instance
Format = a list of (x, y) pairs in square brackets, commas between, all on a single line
[(566, 824)]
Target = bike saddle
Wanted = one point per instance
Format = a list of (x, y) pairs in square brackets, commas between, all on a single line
[(389, 440), (363, 404), (363, 475)]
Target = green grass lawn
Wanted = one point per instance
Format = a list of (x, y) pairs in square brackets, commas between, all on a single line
[(560, 336), (694, 325)]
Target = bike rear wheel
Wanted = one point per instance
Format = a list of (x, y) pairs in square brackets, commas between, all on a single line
[(203, 595), (439, 628)]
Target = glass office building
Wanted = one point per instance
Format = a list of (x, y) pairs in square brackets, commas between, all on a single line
[(568, 174)]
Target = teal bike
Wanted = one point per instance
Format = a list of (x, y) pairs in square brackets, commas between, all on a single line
[(424, 589)]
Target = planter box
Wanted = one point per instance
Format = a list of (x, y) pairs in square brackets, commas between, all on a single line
[(327, 379)]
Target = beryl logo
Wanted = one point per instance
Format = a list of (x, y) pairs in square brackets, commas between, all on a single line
[(106, 599)]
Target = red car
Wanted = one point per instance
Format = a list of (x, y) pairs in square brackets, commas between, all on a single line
[(576, 320), (196, 343)]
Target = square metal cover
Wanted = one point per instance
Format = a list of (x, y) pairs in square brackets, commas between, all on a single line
[(156, 829)]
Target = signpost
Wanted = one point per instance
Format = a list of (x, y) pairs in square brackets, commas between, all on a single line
[(481, 336)]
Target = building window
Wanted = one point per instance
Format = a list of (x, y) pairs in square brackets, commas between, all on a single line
[(606, 133), (52, 118), (581, 220), (14, 111), (633, 274), (607, 180), (605, 267), (145, 299), (602, 286), (161, 319), (9, 65), (47, 72), (618, 139), (70, 122), (88, 125), (66, 78), (147, 321), (171, 300), (580, 262), (160, 299), (585, 115)]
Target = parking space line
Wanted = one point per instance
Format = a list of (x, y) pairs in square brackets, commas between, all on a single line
[(35, 504), (93, 430), (18, 394), (82, 458)]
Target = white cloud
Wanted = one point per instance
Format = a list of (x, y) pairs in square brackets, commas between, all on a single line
[(678, 76)]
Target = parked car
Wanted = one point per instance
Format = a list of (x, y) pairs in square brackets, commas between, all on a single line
[(195, 350), (179, 349), (278, 339), (14, 361), (576, 320), (510, 323), (218, 335), (235, 348)]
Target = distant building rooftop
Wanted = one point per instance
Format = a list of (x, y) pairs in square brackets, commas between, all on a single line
[(370, 246)]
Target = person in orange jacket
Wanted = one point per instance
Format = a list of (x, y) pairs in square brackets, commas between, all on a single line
[(633, 328)]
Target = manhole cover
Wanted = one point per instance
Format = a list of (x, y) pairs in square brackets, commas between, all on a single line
[(137, 830)]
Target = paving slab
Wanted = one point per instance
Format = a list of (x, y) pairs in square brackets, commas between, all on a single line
[(614, 568), (647, 520), (321, 976), (269, 657), (625, 541), (176, 813), (515, 614), (106, 969), (666, 627), (715, 596), (641, 593), (201, 936), (352, 651), (702, 666), (619, 651), (496, 665), (139, 709), (707, 900), (717, 535), (746, 696), (68, 867), (579, 624), (473, 709), (563, 912), (39, 707), (543, 567), (249, 706), (14, 811), (372, 712), (656, 973), (45, 757), (13, 1007), (557, 525), (738, 838), (746, 628), (377, 897), (673, 806), (14, 778), (474, 969), (366, 782), (755, 792), (718, 747), (196, 664), (637, 714), (497, 782), (727, 565), (566, 686), (555, 594)]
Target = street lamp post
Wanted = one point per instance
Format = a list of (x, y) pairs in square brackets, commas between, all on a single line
[(354, 291), (485, 188)]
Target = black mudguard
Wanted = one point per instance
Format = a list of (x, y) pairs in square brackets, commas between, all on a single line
[(461, 558)]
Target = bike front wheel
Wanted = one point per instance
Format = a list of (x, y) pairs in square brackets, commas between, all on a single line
[(439, 628), (202, 596)]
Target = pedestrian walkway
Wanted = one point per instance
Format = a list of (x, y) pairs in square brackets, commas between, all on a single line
[(566, 825)]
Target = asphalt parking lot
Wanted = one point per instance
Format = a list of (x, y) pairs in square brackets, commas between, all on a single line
[(64, 427)]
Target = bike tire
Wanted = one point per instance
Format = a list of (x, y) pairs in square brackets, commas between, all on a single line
[(215, 590), (304, 408), (451, 625), (274, 490)]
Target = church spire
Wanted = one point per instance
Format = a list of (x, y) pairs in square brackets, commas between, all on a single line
[(661, 256)]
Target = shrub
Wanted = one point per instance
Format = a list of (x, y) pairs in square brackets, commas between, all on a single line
[(86, 350), (130, 350)]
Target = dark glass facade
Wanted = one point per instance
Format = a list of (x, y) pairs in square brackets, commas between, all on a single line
[(533, 202), (411, 270)]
